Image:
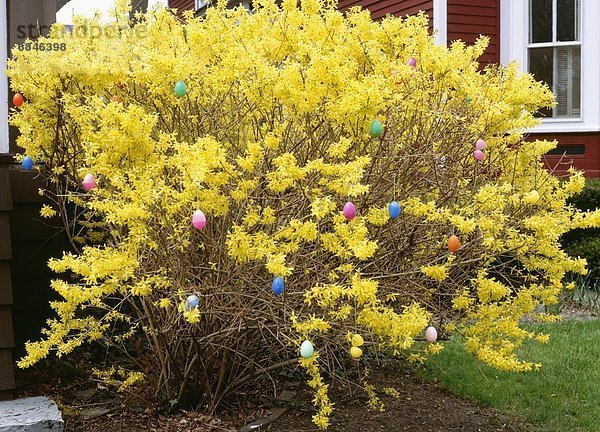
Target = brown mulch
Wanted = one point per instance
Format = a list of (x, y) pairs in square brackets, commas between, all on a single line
[(419, 406)]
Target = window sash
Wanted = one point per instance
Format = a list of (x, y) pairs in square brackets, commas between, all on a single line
[(562, 72), (576, 23), (565, 80)]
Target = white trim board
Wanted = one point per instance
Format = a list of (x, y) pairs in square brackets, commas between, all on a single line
[(440, 22), (514, 38)]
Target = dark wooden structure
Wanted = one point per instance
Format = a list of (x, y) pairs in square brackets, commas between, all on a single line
[(26, 242), (7, 342)]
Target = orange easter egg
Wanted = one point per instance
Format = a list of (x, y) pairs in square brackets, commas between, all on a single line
[(453, 243)]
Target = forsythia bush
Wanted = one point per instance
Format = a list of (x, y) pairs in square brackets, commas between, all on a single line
[(269, 123)]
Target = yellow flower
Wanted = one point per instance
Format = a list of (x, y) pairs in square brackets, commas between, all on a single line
[(47, 211), (437, 272)]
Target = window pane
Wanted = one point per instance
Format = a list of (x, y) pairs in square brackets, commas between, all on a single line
[(541, 21), (541, 65), (568, 81), (567, 20)]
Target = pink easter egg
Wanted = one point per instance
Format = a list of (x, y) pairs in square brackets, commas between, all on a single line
[(349, 211), (431, 334), (89, 182), (199, 219), (480, 144), (412, 62), (478, 155)]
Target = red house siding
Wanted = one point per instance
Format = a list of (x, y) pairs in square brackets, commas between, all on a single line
[(380, 8), (582, 151), (467, 19), (182, 5)]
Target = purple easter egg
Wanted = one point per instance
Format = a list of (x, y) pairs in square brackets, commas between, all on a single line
[(89, 182), (412, 62), (478, 155), (480, 144), (199, 219), (349, 211)]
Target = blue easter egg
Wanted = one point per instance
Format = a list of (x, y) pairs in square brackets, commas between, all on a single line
[(27, 163), (180, 89), (307, 349), (394, 209), (277, 286), (192, 302)]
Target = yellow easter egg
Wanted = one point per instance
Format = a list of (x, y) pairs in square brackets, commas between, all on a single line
[(357, 340), (532, 197), (355, 352)]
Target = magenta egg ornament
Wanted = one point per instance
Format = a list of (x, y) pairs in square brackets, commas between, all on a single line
[(199, 219), (479, 155), (349, 211), (431, 334), (412, 62), (89, 182), (480, 144)]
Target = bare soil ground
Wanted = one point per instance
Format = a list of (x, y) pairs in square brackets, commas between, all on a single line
[(419, 406)]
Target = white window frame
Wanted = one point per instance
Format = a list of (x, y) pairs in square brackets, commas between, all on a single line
[(4, 142), (514, 39)]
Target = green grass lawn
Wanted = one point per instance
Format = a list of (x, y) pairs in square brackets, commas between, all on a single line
[(563, 396)]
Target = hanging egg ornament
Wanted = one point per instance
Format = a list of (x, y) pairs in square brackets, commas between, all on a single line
[(412, 62), (18, 99), (376, 128), (480, 144), (453, 243), (191, 302), (199, 219), (89, 182), (306, 349), (478, 155), (532, 197), (115, 99), (469, 100), (277, 286), (27, 163), (349, 211), (180, 89), (431, 334), (357, 340), (394, 209), (356, 352)]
